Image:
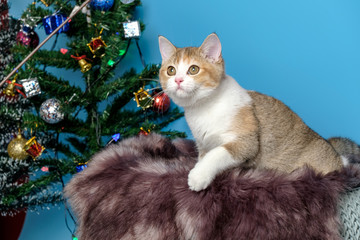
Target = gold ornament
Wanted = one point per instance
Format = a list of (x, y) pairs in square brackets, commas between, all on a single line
[(84, 65), (143, 99), (16, 148), (10, 89)]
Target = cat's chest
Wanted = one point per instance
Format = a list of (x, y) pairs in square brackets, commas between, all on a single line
[(212, 122)]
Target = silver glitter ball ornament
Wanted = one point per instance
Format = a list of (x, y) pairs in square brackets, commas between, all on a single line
[(50, 111)]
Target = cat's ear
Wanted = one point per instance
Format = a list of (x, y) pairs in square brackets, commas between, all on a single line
[(211, 48), (166, 48)]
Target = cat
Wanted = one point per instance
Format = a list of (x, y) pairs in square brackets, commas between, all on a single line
[(232, 126), (346, 148)]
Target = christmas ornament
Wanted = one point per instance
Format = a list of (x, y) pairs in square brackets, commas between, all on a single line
[(84, 65), (127, 1), (31, 87), (27, 37), (33, 148), (52, 22), (102, 5), (97, 47), (143, 99), (144, 132), (50, 111), (15, 148), (63, 50), (161, 102), (86, 10), (81, 166), (10, 92), (131, 29), (45, 169)]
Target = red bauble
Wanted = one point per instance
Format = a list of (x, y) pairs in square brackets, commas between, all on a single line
[(161, 102), (29, 39)]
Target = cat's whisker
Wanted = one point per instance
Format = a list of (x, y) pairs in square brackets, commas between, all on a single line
[(155, 88), (149, 79)]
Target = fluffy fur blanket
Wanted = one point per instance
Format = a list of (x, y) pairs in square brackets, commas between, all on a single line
[(138, 189)]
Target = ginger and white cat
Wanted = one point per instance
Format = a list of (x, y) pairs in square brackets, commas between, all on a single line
[(232, 126)]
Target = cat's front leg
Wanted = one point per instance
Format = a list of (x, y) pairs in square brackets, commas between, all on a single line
[(211, 164)]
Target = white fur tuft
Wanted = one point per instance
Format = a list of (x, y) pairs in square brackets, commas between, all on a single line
[(345, 160)]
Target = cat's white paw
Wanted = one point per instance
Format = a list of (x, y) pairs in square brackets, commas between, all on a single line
[(199, 179)]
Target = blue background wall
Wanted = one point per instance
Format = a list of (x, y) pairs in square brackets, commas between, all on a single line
[(303, 52)]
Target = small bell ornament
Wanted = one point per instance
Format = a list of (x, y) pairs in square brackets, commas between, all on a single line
[(33, 148), (10, 93), (84, 65)]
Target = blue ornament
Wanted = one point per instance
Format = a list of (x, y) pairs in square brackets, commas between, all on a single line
[(54, 21), (102, 5), (81, 167)]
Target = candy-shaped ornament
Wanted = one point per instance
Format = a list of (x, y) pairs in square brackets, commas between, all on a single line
[(102, 5), (27, 37), (51, 112), (52, 22)]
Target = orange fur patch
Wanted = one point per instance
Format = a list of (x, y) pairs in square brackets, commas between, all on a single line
[(246, 129), (210, 74)]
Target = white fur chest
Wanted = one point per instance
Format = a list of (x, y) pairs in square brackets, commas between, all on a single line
[(211, 120)]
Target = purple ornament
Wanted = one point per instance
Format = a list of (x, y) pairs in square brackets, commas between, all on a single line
[(27, 37), (102, 5)]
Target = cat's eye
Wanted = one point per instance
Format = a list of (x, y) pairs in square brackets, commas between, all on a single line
[(171, 71), (193, 69)]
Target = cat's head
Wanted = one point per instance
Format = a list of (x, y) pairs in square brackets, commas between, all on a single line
[(191, 74)]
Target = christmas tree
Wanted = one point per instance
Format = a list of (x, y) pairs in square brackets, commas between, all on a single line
[(48, 124)]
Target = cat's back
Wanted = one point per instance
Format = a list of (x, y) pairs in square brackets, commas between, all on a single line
[(274, 114), (286, 142)]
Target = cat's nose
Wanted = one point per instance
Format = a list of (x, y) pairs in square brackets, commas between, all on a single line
[(179, 80)]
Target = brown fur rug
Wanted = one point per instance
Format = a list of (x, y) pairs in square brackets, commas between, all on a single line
[(138, 189)]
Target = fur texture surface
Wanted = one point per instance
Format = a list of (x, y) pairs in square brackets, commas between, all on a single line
[(138, 189)]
